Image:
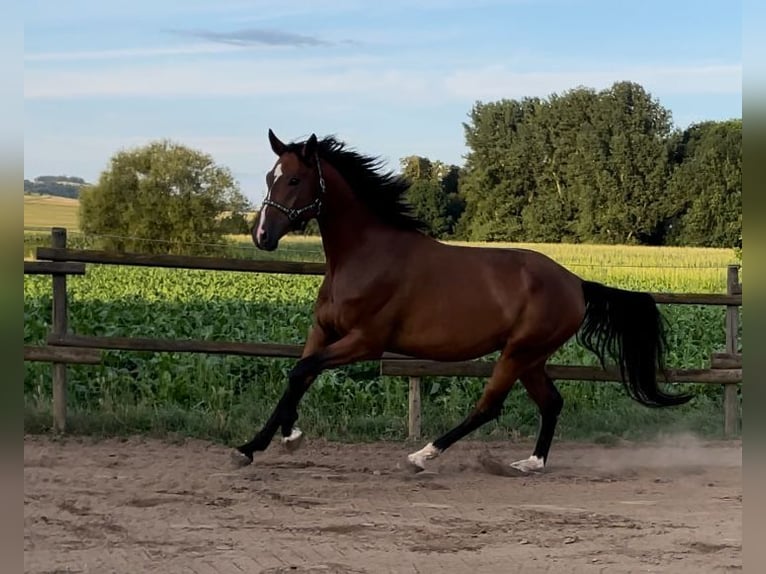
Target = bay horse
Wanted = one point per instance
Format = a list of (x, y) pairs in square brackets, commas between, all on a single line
[(389, 287)]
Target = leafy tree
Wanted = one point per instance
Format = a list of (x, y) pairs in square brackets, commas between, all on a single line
[(434, 193), (628, 203), (235, 224), (161, 198), (581, 166), (417, 168), (499, 174), (707, 183), (59, 179), (561, 135)]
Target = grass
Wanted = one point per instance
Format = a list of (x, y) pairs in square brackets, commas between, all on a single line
[(619, 419), (46, 211)]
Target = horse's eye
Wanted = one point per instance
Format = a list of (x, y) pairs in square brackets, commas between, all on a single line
[(293, 181)]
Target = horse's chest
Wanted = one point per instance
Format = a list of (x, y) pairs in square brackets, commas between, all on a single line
[(341, 311), (334, 316)]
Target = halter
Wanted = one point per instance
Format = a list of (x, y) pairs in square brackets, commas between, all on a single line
[(292, 213)]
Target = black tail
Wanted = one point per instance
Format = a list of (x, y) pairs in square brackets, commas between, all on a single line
[(628, 326)]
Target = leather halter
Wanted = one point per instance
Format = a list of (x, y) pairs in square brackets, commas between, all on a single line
[(293, 213)]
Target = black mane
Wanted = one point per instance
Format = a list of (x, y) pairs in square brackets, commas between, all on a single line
[(382, 192)]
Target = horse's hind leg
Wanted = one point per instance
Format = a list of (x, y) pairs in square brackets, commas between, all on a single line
[(489, 406), (540, 388)]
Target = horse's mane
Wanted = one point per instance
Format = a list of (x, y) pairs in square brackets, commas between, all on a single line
[(383, 192)]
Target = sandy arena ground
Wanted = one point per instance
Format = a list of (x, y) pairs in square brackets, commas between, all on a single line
[(150, 506)]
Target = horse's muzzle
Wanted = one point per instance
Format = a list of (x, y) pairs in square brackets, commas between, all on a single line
[(265, 241)]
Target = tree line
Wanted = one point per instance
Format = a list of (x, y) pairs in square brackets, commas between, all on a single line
[(586, 166), (56, 185)]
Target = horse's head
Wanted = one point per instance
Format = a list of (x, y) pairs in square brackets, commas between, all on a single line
[(295, 187)]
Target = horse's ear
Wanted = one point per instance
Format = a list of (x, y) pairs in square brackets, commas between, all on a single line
[(310, 147), (277, 146)]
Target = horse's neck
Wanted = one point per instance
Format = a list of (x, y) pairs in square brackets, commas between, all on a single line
[(347, 226)]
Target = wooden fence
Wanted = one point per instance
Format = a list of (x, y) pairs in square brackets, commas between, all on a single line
[(63, 347)]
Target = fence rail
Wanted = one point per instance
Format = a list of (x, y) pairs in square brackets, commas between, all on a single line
[(483, 369), (180, 261), (64, 347), (53, 267), (186, 346), (48, 354)]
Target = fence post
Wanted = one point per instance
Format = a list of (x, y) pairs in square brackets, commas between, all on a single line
[(58, 239), (730, 401), (414, 408)]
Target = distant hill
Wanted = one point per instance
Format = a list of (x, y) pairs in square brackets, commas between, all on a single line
[(55, 185)]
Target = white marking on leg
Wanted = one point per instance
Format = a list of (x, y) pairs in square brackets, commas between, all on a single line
[(419, 458), (262, 216), (292, 442), (529, 464)]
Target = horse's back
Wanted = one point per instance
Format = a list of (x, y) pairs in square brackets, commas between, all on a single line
[(467, 301)]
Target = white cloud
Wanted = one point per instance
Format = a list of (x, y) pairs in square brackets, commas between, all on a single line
[(495, 82), (347, 77), (257, 77)]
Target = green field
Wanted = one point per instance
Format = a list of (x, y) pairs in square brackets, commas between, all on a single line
[(224, 398), (49, 211)]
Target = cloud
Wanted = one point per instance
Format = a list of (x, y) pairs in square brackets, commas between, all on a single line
[(254, 37), (495, 82), (340, 76), (362, 76)]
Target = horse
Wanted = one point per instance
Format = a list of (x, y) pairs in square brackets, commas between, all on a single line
[(390, 287)]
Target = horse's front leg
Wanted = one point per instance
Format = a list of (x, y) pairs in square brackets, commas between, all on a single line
[(317, 356)]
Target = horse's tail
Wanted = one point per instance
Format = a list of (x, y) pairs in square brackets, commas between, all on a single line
[(628, 326)]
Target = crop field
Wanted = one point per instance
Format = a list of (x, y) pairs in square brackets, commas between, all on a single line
[(223, 397), (49, 211)]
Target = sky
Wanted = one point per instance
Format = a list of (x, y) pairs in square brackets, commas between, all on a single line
[(390, 78)]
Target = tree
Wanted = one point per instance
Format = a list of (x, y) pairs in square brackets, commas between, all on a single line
[(629, 167), (60, 186), (707, 185), (499, 174), (560, 137), (434, 194), (581, 166), (161, 198)]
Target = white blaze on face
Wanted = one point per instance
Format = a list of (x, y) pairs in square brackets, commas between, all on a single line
[(262, 216)]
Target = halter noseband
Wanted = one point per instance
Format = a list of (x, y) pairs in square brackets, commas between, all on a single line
[(292, 213)]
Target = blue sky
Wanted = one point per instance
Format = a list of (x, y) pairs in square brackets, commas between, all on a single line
[(391, 78)]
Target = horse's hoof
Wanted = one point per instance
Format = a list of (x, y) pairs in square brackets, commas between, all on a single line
[(415, 463), (532, 464), (240, 459), (418, 459), (293, 442)]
